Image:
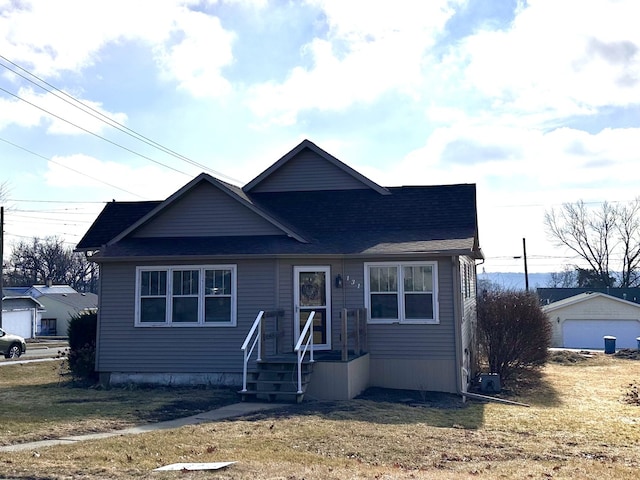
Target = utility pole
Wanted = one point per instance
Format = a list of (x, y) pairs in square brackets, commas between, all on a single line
[(524, 256), (526, 272)]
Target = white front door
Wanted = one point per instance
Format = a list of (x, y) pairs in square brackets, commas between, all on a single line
[(312, 292)]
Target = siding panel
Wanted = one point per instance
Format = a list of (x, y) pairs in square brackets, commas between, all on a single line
[(125, 348), (262, 284), (420, 341), (308, 171), (206, 211)]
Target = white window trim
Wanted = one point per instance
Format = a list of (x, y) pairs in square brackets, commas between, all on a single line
[(201, 295), (401, 320)]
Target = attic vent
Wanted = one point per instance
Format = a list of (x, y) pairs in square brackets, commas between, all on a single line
[(64, 294)]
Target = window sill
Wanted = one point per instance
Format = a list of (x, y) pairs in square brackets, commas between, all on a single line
[(183, 325), (403, 322)]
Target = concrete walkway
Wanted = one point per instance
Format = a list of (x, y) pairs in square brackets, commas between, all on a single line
[(222, 413)]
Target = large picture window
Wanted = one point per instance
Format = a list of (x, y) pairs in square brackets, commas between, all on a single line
[(186, 295), (401, 292)]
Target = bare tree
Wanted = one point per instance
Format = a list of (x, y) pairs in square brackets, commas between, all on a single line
[(607, 239), (628, 227), (567, 278), (42, 260)]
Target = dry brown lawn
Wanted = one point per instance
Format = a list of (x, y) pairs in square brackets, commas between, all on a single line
[(582, 423)]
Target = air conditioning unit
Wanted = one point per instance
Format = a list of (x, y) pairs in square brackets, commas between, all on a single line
[(490, 383)]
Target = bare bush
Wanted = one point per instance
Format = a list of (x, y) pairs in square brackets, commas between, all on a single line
[(513, 331)]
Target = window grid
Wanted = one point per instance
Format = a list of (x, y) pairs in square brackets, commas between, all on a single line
[(218, 298), (200, 295), (411, 299)]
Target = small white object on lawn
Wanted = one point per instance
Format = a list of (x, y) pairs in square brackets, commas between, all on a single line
[(195, 466)]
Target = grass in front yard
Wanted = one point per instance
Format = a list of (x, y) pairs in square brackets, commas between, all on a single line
[(578, 426), (37, 403)]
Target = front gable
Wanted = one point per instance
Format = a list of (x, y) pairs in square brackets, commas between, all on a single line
[(309, 168), (593, 304), (206, 212), (206, 207)]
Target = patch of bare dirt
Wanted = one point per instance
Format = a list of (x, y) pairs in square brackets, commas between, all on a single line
[(569, 357), (632, 396), (413, 397), (628, 353)]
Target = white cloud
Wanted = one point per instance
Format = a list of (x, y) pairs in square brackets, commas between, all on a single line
[(195, 61), (69, 35), (13, 111), (370, 49), (24, 113), (558, 58), (112, 179), (558, 166)]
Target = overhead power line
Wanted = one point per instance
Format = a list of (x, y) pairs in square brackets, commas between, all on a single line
[(88, 109), (86, 130), (51, 201), (35, 236), (68, 168)]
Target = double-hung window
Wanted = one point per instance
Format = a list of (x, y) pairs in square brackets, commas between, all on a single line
[(186, 295), (401, 292)]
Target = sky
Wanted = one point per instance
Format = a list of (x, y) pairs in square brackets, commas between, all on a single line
[(536, 102)]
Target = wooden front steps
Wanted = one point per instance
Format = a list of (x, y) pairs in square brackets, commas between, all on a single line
[(277, 379)]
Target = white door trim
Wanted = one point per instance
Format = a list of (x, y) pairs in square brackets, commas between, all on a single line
[(326, 309)]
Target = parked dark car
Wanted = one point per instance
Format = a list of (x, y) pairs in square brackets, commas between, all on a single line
[(11, 346)]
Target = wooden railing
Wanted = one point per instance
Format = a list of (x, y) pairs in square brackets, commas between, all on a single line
[(272, 331), (307, 331), (358, 318)]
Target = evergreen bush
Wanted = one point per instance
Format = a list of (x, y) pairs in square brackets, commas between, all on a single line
[(82, 346)]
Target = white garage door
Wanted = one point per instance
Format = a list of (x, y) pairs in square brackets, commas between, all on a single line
[(17, 322), (589, 333)]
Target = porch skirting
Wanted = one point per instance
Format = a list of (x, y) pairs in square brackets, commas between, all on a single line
[(338, 380), (170, 379), (413, 374)]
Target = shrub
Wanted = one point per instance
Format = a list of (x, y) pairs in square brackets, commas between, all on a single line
[(82, 346), (513, 331)]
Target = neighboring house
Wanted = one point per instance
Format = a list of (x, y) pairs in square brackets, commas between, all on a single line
[(15, 291), (550, 295), (61, 302), (21, 315), (182, 280), (581, 321)]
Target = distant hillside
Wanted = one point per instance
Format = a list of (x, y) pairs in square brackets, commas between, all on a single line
[(515, 281)]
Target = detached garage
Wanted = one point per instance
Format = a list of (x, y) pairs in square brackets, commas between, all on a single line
[(21, 316), (583, 320)]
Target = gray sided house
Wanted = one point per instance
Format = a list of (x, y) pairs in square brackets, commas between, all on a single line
[(61, 303), (388, 272)]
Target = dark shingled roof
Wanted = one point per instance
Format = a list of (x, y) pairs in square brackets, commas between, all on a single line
[(551, 295), (321, 214), (114, 218), (432, 219)]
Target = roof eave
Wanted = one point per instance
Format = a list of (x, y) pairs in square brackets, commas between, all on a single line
[(199, 257)]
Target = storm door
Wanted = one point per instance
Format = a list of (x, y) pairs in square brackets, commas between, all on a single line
[(312, 292)]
